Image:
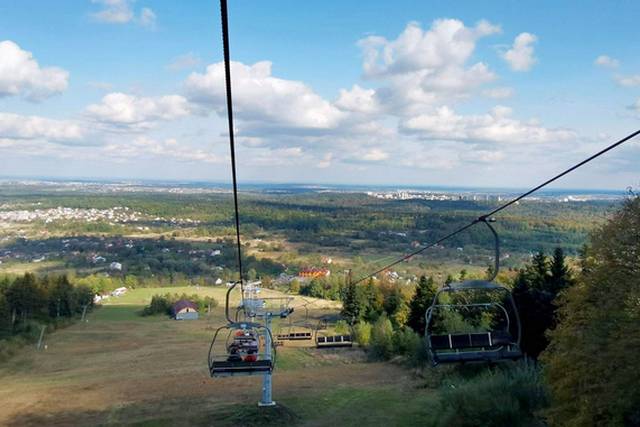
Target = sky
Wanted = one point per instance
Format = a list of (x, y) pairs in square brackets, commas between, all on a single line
[(465, 93)]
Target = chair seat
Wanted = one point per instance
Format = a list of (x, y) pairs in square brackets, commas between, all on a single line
[(507, 353), (334, 341), (295, 336), (463, 341), (229, 368)]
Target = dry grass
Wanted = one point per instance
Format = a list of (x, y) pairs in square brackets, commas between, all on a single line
[(122, 368)]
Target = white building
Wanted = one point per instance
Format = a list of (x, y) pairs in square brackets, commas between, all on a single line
[(119, 291)]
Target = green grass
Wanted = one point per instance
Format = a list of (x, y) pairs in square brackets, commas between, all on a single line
[(142, 296), (349, 406)]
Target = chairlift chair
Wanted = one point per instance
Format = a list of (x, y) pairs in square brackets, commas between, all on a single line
[(297, 331), (500, 342), (326, 336), (241, 352), (488, 346)]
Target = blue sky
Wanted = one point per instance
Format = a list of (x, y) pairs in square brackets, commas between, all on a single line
[(410, 92)]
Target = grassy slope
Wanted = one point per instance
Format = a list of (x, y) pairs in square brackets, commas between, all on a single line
[(122, 368)]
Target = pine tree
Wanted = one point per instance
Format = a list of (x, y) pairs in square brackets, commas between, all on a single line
[(351, 307), (560, 272), (421, 301), (535, 291)]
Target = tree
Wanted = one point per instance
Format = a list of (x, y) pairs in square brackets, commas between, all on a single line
[(351, 306), (421, 301), (560, 272), (373, 301), (535, 291), (382, 338), (62, 301), (25, 298), (294, 286), (592, 364), (5, 317)]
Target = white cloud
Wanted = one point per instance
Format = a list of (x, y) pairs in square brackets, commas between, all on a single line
[(188, 60), (20, 75), (261, 100), (422, 68), (496, 126), (121, 12), (607, 62), (358, 99), (147, 18), (448, 42), (628, 81), (325, 162), (120, 111), (114, 11), (375, 155), (18, 127), (481, 156), (498, 92), (520, 56), (143, 147)]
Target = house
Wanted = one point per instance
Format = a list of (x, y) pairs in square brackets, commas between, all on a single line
[(312, 273), (115, 266), (185, 310), (119, 291)]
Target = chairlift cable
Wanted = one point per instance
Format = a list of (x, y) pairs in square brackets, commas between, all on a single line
[(227, 74), (486, 217)]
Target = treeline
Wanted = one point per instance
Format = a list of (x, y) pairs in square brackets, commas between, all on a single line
[(592, 364), (27, 302)]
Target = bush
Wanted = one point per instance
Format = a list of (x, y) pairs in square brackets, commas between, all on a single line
[(405, 341), (160, 304), (503, 397), (342, 328), (382, 338), (362, 333)]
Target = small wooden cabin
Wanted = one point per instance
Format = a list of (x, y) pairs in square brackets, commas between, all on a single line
[(185, 310)]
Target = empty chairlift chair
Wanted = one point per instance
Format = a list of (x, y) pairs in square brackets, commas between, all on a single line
[(328, 337), (487, 322), (241, 352), (297, 330)]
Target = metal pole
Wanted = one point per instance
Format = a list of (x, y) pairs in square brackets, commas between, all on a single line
[(39, 346), (266, 381)]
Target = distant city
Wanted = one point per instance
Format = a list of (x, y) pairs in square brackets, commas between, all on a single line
[(431, 193)]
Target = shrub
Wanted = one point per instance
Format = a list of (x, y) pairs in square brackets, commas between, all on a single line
[(503, 397), (294, 286), (160, 304), (362, 332), (342, 327), (382, 338), (405, 341)]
